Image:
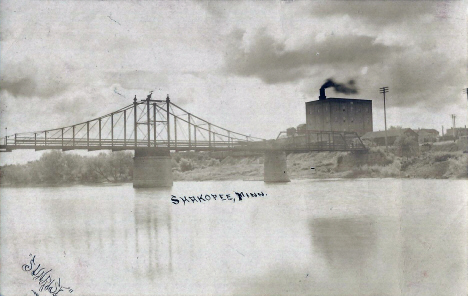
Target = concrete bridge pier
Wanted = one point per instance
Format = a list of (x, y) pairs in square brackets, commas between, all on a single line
[(274, 167), (152, 168)]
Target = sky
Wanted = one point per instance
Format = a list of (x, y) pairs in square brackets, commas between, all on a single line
[(247, 66)]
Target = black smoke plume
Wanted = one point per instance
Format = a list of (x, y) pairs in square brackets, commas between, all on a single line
[(344, 88)]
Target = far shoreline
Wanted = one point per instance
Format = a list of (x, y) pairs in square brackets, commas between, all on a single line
[(58, 169), (331, 179)]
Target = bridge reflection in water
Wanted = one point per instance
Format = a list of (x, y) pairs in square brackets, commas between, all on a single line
[(335, 237), (142, 233)]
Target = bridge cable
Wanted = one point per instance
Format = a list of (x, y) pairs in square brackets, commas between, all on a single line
[(214, 125), (121, 130)]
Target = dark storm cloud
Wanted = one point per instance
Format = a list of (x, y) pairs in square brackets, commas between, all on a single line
[(24, 79), (425, 78), (25, 87), (270, 60), (379, 12), (415, 79)]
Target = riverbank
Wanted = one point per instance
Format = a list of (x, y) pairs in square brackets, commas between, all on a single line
[(323, 165), (58, 168)]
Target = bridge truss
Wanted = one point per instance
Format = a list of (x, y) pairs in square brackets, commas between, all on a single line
[(145, 123), (163, 125)]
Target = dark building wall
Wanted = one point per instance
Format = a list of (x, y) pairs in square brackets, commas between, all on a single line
[(459, 131), (334, 114)]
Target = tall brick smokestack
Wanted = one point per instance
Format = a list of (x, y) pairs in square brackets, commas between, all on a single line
[(349, 88)]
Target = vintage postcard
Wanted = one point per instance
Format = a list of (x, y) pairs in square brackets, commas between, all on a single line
[(233, 148)]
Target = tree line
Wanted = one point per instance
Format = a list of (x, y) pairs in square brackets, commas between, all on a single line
[(56, 167)]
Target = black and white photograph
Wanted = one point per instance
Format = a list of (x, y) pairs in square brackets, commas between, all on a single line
[(232, 148)]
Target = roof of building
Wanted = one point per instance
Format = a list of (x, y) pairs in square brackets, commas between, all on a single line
[(338, 99), (390, 133), (429, 130), (457, 128)]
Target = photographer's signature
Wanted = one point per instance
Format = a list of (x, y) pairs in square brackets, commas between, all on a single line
[(45, 280)]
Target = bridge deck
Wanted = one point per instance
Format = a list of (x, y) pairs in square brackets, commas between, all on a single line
[(160, 124), (184, 146), (316, 141)]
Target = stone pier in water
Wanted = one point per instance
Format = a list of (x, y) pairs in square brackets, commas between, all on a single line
[(152, 168), (274, 167)]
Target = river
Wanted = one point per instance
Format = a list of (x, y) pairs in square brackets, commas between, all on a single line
[(307, 237)]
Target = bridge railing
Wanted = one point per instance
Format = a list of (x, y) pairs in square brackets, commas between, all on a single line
[(145, 123), (162, 124), (311, 140), (54, 143)]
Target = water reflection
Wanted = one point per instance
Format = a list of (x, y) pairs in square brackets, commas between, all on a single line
[(153, 233), (138, 227), (362, 253), (347, 256), (344, 242), (300, 240)]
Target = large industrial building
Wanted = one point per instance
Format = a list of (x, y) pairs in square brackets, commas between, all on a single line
[(338, 114)]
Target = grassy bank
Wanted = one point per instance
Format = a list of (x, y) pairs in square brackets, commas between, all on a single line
[(58, 168), (313, 165)]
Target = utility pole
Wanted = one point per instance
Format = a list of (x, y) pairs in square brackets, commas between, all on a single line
[(168, 104), (135, 121), (465, 90), (384, 90), (453, 125)]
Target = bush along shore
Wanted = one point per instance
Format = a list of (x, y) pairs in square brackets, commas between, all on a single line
[(59, 168)]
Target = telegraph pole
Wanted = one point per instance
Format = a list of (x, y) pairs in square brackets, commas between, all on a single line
[(465, 90), (384, 90), (453, 125)]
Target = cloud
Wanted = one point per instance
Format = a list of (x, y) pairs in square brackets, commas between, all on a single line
[(137, 79), (379, 12), (219, 9), (425, 78), (25, 79), (214, 8), (25, 87), (273, 62)]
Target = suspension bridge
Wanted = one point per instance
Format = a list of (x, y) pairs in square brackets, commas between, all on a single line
[(153, 128)]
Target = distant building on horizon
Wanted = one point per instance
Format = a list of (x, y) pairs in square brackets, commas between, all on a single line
[(339, 115), (459, 132), (392, 134), (427, 135)]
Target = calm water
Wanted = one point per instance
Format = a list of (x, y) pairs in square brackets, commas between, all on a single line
[(310, 237)]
